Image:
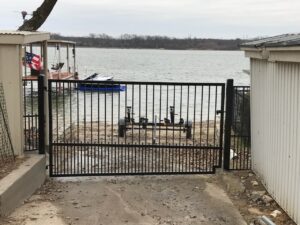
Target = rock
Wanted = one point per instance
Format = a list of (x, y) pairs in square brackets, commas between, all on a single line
[(254, 183), (254, 211), (267, 199), (250, 174), (255, 195), (74, 203), (276, 213)]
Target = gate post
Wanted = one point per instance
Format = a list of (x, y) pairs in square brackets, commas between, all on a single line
[(41, 113), (228, 123)]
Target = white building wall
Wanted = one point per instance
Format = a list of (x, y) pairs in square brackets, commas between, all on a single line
[(11, 78), (275, 130)]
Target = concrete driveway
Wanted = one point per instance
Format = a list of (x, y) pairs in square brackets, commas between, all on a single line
[(149, 200)]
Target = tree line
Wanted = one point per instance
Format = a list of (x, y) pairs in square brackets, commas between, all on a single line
[(151, 42)]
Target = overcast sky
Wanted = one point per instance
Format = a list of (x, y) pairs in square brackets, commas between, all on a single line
[(176, 18)]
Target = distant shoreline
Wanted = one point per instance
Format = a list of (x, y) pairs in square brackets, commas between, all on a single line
[(152, 42), (79, 46)]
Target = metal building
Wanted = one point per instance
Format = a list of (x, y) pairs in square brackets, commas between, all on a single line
[(275, 117)]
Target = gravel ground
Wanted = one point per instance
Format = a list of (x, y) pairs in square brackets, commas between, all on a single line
[(251, 198), (137, 200)]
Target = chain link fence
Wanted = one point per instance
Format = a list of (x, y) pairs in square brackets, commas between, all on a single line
[(6, 148)]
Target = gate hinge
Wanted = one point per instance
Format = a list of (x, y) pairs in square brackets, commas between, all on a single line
[(220, 111)]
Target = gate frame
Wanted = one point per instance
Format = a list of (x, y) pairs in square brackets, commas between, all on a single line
[(219, 147), (228, 124)]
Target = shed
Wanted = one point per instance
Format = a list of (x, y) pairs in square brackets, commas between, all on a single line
[(275, 117), (11, 43)]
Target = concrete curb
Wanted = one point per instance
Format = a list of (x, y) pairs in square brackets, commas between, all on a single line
[(22, 183)]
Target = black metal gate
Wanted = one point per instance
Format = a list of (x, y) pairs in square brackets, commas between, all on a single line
[(237, 151), (30, 118), (34, 118), (128, 128)]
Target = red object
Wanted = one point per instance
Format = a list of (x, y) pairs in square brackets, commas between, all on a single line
[(33, 61)]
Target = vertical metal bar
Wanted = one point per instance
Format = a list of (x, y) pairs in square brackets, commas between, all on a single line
[(77, 104), (98, 123), (139, 114), (71, 111), (115, 158), (242, 129), (105, 122), (92, 126), (64, 112), (36, 135), (98, 158), (146, 113), (215, 111), (167, 110), (187, 112), (50, 129), (119, 114), (101, 157), (153, 116), (45, 67), (112, 116), (41, 113), (159, 122), (81, 161), (208, 117), (108, 158), (25, 113), (180, 114), (228, 123), (32, 112), (84, 115), (201, 115), (236, 138), (221, 124), (125, 136), (132, 104), (215, 123), (194, 118), (174, 92)]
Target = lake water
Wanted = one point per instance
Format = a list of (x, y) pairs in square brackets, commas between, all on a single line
[(195, 103), (164, 65)]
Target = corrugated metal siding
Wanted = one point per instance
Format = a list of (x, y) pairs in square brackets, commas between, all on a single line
[(275, 130)]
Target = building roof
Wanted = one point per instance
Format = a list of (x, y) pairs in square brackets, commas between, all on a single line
[(54, 43), (64, 42), (22, 37), (285, 40)]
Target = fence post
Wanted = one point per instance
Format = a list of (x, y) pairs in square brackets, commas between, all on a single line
[(41, 112), (228, 123)]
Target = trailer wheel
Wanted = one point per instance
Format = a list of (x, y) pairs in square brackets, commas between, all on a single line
[(121, 128), (188, 126)]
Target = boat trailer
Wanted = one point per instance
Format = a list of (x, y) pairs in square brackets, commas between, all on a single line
[(129, 123)]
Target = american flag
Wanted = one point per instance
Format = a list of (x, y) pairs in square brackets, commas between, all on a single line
[(33, 61)]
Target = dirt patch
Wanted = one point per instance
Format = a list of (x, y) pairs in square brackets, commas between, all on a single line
[(148, 200), (203, 133), (9, 166), (251, 198)]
